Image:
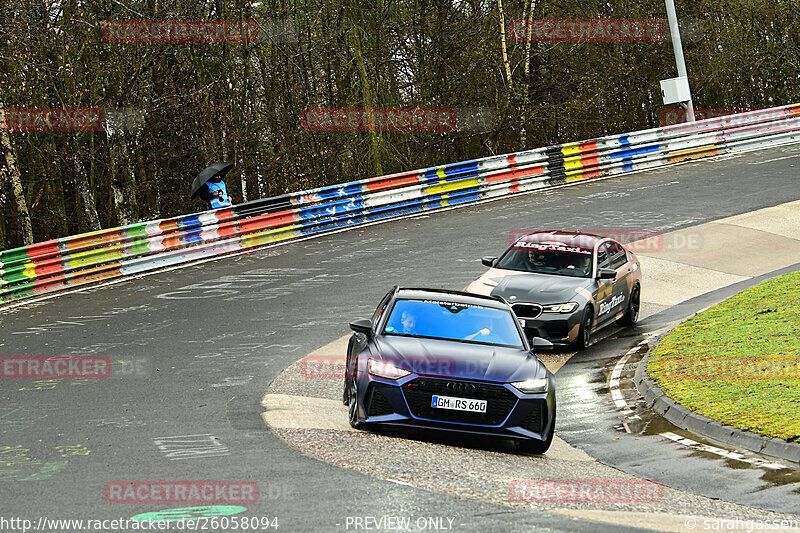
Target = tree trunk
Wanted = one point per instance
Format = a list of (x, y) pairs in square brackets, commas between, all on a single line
[(369, 102), (503, 44), (15, 182), (122, 194), (531, 5)]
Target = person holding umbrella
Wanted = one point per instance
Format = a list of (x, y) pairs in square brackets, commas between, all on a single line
[(210, 187)]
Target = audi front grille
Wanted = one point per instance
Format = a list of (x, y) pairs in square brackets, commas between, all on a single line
[(500, 401)]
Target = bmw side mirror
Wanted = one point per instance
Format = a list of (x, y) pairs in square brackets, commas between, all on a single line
[(362, 325), (488, 261), (541, 345), (606, 273)]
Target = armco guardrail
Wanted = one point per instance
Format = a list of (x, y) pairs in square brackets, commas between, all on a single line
[(82, 259)]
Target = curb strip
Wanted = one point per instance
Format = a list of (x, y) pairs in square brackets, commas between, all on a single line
[(706, 427)]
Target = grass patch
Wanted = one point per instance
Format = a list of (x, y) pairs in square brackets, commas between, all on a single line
[(739, 361)]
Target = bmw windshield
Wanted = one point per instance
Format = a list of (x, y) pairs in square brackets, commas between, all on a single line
[(547, 258), (453, 321)]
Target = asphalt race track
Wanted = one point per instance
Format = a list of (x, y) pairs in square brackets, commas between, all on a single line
[(194, 350)]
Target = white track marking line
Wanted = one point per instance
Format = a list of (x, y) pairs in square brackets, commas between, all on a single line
[(773, 160), (613, 384), (689, 443)]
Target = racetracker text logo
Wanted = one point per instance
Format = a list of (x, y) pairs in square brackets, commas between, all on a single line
[(379, 119), (584, 491), (335, 367), (181, 492), (55, 366), (51, 119), (634, 239), (181, 31), (587, 30), (724, 369)]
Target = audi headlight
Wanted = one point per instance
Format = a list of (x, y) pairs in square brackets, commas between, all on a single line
[(560, 308), (530, 386), (384, 369)]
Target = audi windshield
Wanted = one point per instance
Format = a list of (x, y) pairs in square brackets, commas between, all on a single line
[(453, 321), (547, 258)]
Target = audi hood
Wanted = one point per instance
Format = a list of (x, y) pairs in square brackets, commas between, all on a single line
[(453, 359)]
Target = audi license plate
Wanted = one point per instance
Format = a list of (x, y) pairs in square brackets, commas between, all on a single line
[(458, 404)]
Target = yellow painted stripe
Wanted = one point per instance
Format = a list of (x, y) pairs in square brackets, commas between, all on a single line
[(441, 173), (268, 236), (441, 188), (694, 153), (29, 271), (574, 177), (95, 257), (571, 149), (574, 163)]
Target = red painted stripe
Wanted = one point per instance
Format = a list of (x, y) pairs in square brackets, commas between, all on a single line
[(47, 268), (92, 240), (223, 215), (272, 220), (42, 250), (518, 173), (43, 286), (390, 182), (589, 174), (168, 226), (589, 160), (228, 228)]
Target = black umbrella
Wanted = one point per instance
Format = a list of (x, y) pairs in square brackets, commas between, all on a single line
[(217, 169)]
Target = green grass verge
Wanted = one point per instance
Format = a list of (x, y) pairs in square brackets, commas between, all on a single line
[(739, 362)]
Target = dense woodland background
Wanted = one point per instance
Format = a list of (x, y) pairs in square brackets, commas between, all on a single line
[(202, 103)]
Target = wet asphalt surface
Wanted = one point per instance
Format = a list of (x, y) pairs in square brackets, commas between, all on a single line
[(194, 350)]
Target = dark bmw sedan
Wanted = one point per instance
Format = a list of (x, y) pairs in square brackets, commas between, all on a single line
[(446, 360), (565, 285)]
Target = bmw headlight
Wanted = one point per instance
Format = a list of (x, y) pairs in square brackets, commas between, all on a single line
[(385, 369), (560, 308), (530, 386)]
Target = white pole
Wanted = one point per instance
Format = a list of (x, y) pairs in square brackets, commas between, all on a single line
[(677, 47)]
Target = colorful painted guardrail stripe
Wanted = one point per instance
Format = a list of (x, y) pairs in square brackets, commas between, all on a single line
[(87, 258)]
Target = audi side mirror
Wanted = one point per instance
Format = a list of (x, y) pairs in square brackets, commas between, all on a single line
[(606, 273), (362, 325), (541, 345), (488, 261)]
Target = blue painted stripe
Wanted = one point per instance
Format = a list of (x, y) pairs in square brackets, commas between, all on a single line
[(192, 236), (329, 209), (633, 152), (191, 221)]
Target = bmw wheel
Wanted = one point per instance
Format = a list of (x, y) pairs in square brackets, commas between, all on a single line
[(631, 315), (585, 332)]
